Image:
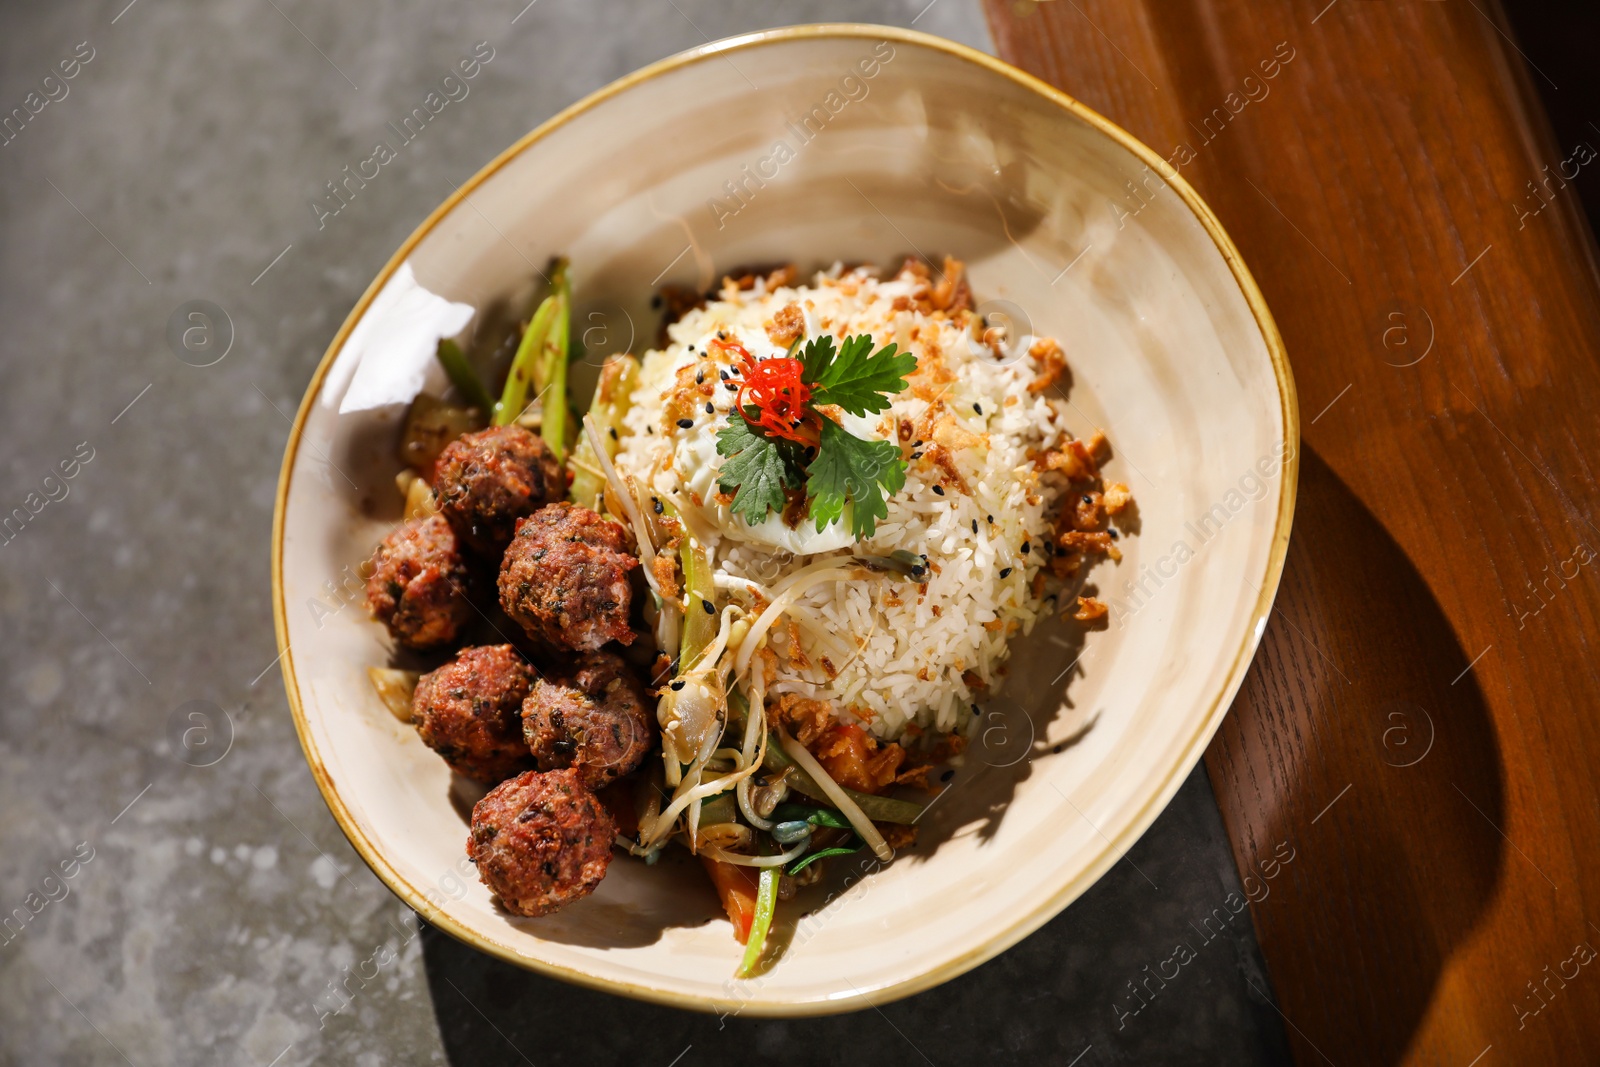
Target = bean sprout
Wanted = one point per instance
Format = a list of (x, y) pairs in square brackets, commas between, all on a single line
[(741, 860), (624, 492), (788, 593)]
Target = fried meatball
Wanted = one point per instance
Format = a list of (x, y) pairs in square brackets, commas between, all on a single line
[(541, 840), (468, 712), (594, 721), (485, 481), (419, 584), (565, 578)]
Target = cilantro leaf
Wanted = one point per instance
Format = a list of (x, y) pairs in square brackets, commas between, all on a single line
[(815, 357), (756, 470), (867, 472), (852, 375)]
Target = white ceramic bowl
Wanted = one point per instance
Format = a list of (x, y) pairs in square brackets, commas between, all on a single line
[(892, 142)]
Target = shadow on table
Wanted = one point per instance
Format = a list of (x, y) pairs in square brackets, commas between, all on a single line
[(1045, 1000), (1361, 682)]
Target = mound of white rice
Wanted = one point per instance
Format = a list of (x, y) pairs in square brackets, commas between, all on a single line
[(885, 650)]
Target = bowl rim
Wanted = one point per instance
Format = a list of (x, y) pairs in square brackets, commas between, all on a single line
[(1206, 726)]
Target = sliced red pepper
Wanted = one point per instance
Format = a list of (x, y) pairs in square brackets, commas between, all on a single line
[(737, 886), (774, 390)]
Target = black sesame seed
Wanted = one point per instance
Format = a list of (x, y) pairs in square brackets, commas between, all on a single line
[(700, 376), (916, 455), (990, 518), (1005, 572), (685, 423), (1027, 546), (677, 685), (947, 775), (916, 444), (732, 387), (691, 348), (974, 525), (1059, 748), (711, 609), (723, 374), (613, 433), (650, 430), (1087, 499), (655, 502), (1113, 534), (978, 408), (711, 409), (939, 489)]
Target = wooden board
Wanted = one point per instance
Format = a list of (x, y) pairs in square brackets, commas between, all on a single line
[(1420, 725)]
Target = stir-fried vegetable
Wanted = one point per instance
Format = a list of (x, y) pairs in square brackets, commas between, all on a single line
[(611, 398), (718, 809), (418, 493), (394, 688), (737, 888), (700, 612), (811, 816), (836, 793), (463, 377), (898, 562), (541, 362), (766, 907), (553, 387), (431, 424), (876, 808), (528, 360), (620, 495), (695, 702)]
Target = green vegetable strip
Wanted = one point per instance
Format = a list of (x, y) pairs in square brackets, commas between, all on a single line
[(463, 377), (738, 707), (611, 400), (876, 808), (515, 395), (815, 816), (719, 809), (553, 383), (821, 854), (699, 625), (766, 907)]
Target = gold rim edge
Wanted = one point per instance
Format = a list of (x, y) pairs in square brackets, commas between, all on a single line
[(1191, 752)]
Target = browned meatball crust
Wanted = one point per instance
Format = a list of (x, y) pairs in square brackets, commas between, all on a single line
[(485, 481), (541, 840), (565, 578), (594, 721), (419, 584), (468, 712)]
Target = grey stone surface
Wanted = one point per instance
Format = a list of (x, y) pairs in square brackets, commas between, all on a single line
[(212, 909)]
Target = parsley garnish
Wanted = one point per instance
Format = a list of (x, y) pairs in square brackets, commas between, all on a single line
[(769, 451)]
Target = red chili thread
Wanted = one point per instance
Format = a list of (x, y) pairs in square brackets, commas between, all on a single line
[(772, 387)]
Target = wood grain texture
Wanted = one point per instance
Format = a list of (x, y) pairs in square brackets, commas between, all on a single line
[(1443, 320)]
